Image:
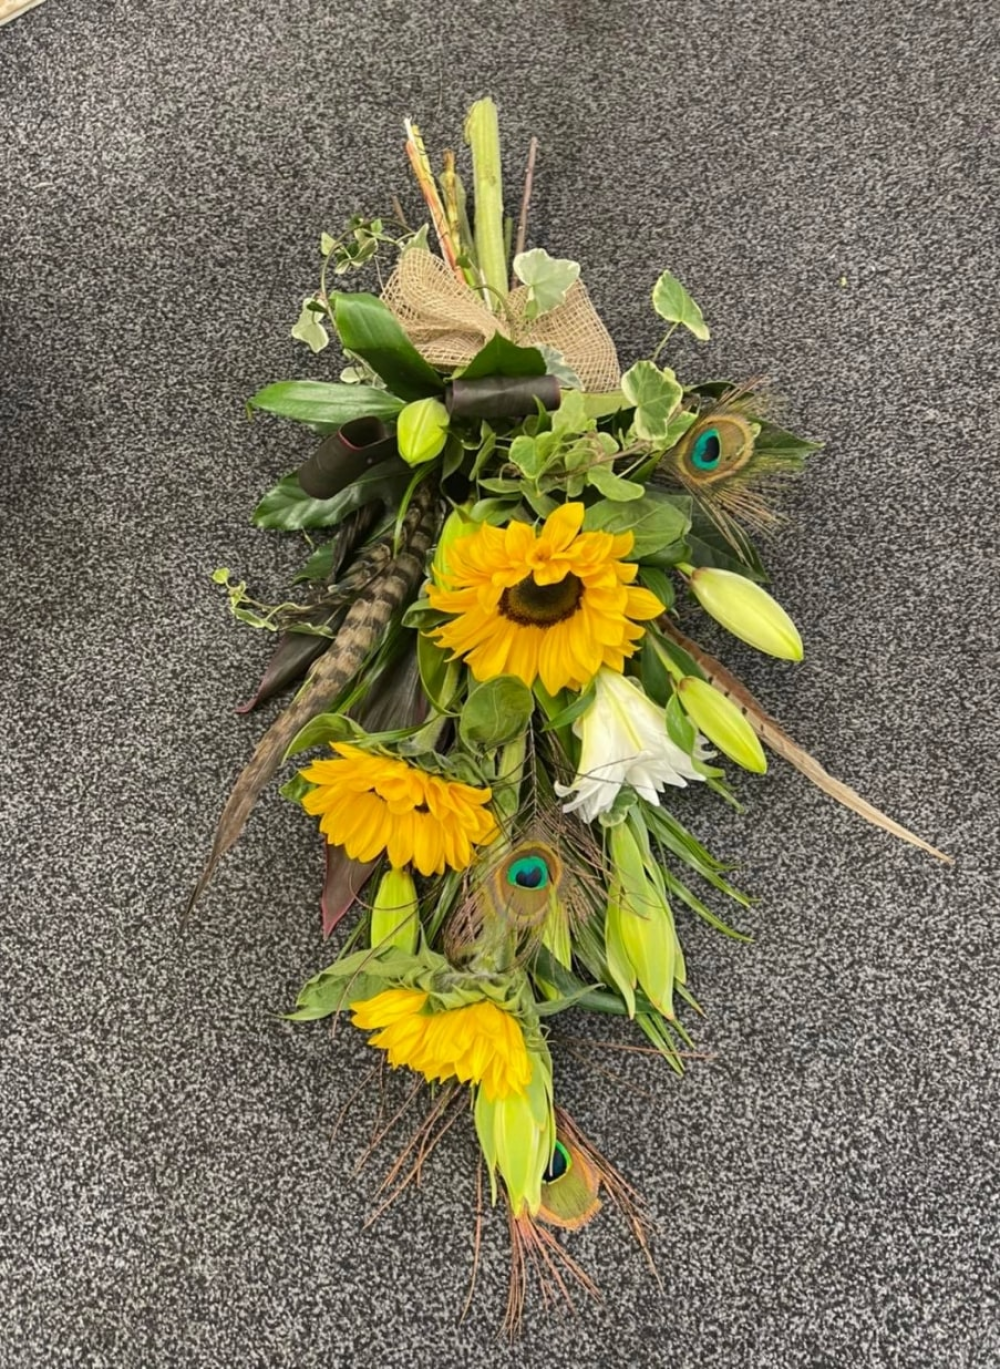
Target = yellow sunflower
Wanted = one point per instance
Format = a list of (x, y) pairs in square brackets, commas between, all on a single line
[(558, 603), (476, 1044), (369, 804)]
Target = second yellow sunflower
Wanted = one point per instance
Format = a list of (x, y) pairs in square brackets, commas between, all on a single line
[(555, 605)]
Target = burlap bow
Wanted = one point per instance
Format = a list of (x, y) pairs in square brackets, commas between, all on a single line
[(448, 323)]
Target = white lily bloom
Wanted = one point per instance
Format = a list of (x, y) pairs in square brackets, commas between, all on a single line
[(625, 741)]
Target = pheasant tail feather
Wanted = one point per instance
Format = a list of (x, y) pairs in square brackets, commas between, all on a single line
[(361, 631), (774, 736)]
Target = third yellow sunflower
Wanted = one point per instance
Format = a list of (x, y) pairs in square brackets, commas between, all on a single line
[(556, 604)]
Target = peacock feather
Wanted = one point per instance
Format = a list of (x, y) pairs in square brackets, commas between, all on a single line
[(733, 460)]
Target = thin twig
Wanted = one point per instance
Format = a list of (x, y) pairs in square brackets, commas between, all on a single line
[(477, 1240), (522, 223)]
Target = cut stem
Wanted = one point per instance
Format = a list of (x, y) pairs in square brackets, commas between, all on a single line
[(522, 223), (420, 162)]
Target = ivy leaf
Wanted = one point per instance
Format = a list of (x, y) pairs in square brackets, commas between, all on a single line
[(673, 303), (572, 417), (614, 486), (309, 328), (548, 279), (556, 365), (324, 406), (655, 394), (495, 712), (528, 456)]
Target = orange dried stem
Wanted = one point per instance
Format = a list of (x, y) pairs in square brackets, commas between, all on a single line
[(417, 154)]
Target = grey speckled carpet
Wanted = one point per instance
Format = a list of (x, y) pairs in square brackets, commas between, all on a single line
[(824, 179)]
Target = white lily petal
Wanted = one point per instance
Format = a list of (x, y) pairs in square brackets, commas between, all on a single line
[(624, 741)]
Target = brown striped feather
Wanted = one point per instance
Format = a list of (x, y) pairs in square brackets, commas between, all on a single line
[(360, 633)]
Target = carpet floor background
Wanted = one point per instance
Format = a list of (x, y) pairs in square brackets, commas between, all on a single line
[(823, 178)]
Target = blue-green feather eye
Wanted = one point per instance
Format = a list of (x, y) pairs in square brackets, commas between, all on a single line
[(707, 450), (561, 1164), (531, 872)]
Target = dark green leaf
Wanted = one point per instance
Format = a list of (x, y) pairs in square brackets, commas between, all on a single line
[(320, 563), (657, 521), (777, 442), (569, 706), (710, 548), (287, 506), (325, 406), (656, 642), (502, 358), (653, 673), (680, 729), (370, 330), (659, 583), (438, 676)]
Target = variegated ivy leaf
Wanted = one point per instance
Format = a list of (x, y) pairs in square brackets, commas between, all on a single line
[(555, 365), (655, 395), (673, 303), (548, 279), (309, 328)]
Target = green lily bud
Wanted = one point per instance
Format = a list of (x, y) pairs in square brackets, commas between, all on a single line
[(518, 1134), (640, 940), (747, 611), (722, 723), (421, 430), (457, 524), (395, 914)]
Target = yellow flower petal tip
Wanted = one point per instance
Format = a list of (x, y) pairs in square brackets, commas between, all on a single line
[(746, 610), (372, 804), (553, 605), (480, 1043)]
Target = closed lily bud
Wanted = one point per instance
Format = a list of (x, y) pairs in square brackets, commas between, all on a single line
[(722, 723), (421, 430), (640, 940), (517, 1135), (747, 611), (395, 914)]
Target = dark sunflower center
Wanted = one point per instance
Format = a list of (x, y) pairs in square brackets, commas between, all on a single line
[(533, 605)]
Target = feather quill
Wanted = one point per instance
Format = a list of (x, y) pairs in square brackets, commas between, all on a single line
[(384, 593), (774, 736)]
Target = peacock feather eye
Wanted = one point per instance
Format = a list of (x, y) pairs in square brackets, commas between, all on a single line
[(561, 1163), (716, 447), (569, 1187), (530, 872), (523, 887), (707, 450)]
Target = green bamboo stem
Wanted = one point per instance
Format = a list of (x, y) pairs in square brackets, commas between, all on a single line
[(482, 133)]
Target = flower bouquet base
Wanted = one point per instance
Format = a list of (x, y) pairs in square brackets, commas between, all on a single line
[(497, 713)]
